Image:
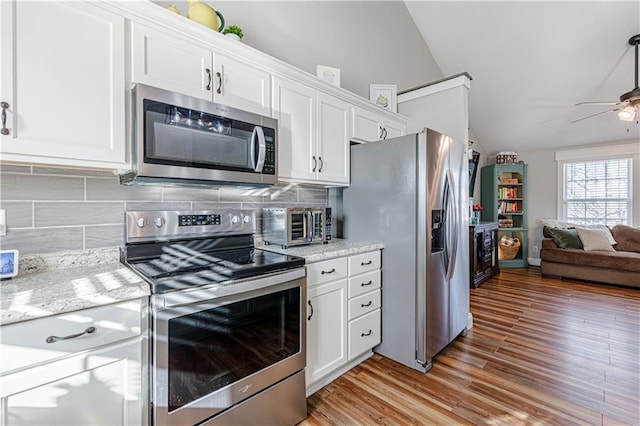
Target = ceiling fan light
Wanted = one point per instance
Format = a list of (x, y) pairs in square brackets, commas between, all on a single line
[(627, 114)]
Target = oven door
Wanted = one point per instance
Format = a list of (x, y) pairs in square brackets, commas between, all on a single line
[(215, 347), (306, 226)]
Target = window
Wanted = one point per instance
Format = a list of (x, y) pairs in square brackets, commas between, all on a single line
[(598, 192)]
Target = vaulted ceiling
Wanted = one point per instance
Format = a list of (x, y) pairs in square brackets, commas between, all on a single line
[(531, 62)]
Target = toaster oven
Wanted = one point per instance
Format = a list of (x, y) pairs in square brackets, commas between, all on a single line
[(293, 226)]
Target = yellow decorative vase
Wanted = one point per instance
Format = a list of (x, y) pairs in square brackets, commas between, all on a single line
[(204, 14)]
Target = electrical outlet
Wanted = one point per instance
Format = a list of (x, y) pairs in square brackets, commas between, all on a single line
[(535, 248)]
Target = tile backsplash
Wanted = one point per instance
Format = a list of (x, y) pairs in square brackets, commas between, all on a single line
[(52, 209)]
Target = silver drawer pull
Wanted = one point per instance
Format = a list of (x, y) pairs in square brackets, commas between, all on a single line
[(53, 339), (364, 305), (328, 272), (366, 334), (366, 263), (366, 284)]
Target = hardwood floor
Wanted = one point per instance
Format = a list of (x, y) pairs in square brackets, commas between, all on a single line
[(542, 351)]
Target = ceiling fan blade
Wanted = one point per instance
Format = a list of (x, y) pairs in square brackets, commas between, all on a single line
[(599, 103), (595, 115)]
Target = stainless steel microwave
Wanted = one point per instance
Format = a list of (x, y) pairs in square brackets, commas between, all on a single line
[(185, 140), (293, 226)]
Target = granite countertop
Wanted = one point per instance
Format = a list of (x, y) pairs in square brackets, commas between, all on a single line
[(63, 282), (318, 252)]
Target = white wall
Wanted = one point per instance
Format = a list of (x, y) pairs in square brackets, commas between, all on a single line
[(370, 41)]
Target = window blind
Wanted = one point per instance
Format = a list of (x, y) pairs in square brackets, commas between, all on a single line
[(598, 192)]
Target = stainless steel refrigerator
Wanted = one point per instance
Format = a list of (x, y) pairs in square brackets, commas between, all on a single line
[(410, 193)]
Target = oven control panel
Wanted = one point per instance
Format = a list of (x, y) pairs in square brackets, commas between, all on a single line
[(143, 225), (199, 219)]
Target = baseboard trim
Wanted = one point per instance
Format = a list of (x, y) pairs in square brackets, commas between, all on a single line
[(534, 261)]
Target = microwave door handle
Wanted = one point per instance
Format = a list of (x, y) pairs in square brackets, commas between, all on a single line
[(257, 138), (309, 226)]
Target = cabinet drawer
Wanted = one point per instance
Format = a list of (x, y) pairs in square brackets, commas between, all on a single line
[(25, 343), (364, 333), (328, 270), (363, 283), (364, 262), (364, 303)]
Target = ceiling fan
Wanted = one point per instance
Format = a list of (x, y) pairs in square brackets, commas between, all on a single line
[(629, 105)]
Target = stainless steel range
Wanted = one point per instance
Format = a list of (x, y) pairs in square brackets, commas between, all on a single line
[(228, 337)]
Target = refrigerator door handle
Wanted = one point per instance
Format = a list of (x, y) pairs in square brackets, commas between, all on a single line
[(445, 224), (452, 256)]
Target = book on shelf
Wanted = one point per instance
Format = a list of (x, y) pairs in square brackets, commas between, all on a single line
[(507, 193), (509, 207)]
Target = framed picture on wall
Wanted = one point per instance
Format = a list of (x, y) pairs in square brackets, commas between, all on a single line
[(384, 95)]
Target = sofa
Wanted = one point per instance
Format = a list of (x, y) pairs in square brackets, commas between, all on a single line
[(613, 259)]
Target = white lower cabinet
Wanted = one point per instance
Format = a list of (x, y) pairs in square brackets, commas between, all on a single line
[(94, 378), (343, 313)]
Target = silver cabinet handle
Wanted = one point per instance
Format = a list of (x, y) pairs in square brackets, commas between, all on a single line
[(321, 165), (208, 78), (384, 133), (53, 339), (366, 263), (380, 133), (328, 272), (366, 284), (311, 314), (315, 163), (366, 334), (364, 305), (4, 106), (219, 90)]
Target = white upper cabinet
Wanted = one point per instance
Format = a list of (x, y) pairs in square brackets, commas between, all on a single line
[(370, 126), (295, 110), (242, 86), (166, 60), (62, 83), (313, 134), (333, 140)]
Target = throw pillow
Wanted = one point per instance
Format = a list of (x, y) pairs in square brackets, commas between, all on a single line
[(594, 239), (552, 223), (628, 238), (565, 238)]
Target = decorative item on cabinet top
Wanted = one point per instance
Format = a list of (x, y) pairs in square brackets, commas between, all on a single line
[(328, 74), (384, 95), (233, 31), (202, 13)]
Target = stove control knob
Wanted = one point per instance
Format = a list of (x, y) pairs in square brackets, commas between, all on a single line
[(246, 219), (235, 219), (159, 222), (141, 222)]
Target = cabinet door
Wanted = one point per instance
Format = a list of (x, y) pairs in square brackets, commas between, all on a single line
[(365, 125), (326, 329), (333, 140), (242, 86), (295, 109), (63, 75), (167, 61), (393, 129), (101, 387)]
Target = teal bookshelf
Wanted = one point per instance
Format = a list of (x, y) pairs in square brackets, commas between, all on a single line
[(503, 194)]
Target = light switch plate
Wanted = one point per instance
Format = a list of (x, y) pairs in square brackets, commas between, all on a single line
[(3, 222)]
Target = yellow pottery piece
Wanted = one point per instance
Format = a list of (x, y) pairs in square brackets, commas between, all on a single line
[(204, 14)]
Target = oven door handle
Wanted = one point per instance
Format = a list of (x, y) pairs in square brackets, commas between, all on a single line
[(257, 139)]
